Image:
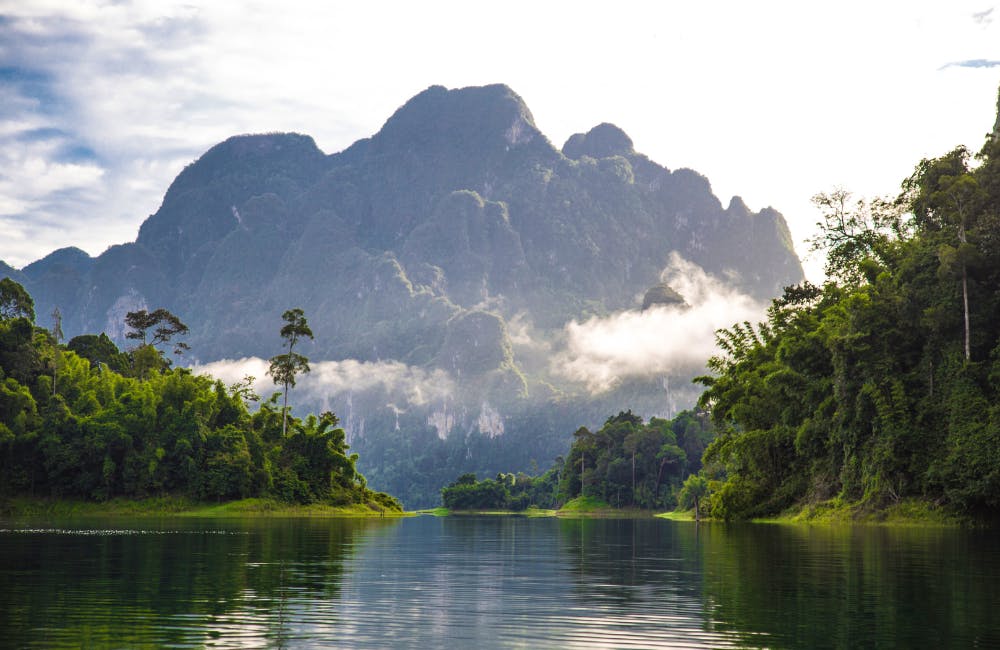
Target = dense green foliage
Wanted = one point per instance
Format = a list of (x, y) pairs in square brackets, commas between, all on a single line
[(626, 463), (885, 382), (506, 492), (109, 429)]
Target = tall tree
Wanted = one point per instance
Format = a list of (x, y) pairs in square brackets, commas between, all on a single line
[(15, 302), (855, 236), (57, 334), (285, 367), (945, 197), (166, 327)]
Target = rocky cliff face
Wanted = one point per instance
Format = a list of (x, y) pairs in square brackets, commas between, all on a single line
[(456, 240)]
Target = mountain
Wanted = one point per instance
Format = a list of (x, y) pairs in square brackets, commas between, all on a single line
[(438, 262)]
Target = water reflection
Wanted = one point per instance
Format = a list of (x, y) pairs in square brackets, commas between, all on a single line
[(493, 583), (183, 584), (514, 582), (811, 587), (642, 575)]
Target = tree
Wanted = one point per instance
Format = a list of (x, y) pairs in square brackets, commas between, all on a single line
[(694, 489), (285, 367), (57, 332), (167, 326), (15, 302), (852, 236), (100, 350), (243, 390), (946, 197), (57, 335)]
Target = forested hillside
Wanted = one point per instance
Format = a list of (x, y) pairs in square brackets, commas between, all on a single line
[(86, 421), (884, 383)]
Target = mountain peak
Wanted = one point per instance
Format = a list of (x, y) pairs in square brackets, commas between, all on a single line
[(738, 206), (602, 141), (480, 117), (250, 153), (70, 259)]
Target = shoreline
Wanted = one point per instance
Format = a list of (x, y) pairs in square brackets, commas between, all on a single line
[(184, 507), (906, 513)]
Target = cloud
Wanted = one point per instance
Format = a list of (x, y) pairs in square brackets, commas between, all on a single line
[(972, 63), (397, 382), (414, 386), (90, 98), (601, 352), (116, 80)]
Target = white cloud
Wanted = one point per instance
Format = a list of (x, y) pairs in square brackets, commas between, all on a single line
[(327, 380), (662, 340)]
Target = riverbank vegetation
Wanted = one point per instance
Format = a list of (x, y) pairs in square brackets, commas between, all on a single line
[(881, 387), (85, 421), (174, 506), (626, 464)]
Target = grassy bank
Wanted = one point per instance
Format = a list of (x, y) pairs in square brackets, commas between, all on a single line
[(593, 507), (580, 507), (181, 507), (530, 512), (907, 512)]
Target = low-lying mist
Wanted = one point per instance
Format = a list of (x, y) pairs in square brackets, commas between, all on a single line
[(398, 382), (632, 359), (662, 340)]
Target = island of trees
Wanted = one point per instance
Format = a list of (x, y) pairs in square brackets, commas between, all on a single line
[(84, 420)]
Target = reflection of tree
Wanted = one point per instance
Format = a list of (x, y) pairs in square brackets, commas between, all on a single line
[(789, 586), (808, 587), (179, 586), (631, 556)]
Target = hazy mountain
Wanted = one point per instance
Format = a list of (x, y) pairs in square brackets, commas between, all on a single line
[(438, 263)]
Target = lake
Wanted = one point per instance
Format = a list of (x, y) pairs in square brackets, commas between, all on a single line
[(493, 582)]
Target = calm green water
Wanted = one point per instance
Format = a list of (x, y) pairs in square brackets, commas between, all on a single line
[(493, 583)]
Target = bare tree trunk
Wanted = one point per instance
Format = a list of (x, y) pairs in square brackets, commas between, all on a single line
[(284, 412), (659, 479), (965, 285), (965, 304), (633, 478)]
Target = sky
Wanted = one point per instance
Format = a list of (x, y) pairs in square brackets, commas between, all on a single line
[(102, 104)]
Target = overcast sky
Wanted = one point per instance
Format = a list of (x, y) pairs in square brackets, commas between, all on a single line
[(103, 103)]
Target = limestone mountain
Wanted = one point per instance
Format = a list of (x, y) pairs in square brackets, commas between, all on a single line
[(424, 245)]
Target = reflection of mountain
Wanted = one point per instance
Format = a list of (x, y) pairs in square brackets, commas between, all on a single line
[(457, 239)]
